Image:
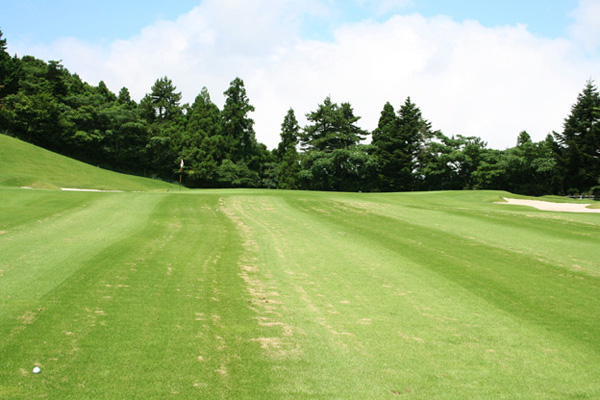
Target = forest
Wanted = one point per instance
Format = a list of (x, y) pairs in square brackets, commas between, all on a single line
[(45, 104)]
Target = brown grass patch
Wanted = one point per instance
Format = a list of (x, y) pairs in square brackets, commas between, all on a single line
[(27, 318), (269, 343), (222, 371)]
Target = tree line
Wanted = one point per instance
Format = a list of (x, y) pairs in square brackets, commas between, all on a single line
[(44, 104)]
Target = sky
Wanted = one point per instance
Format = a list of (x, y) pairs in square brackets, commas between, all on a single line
[(489, 69)]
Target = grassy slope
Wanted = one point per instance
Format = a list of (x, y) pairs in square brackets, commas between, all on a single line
[(264, 294), (22, 164)]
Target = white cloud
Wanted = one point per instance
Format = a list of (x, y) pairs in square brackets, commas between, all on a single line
[(383, 7), (586, 27), (467, 79)]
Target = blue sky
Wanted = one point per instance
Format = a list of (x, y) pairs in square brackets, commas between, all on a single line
[(544, 17), (97, 21), (44, 21), (478, 68)]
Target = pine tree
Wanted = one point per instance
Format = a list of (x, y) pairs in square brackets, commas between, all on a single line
[(579, 144), (333, 127), (164, 99)]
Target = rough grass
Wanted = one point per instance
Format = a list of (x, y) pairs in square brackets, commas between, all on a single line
[(273, 294), (22, 164)]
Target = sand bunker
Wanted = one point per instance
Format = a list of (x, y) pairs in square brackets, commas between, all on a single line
[(89, 190), (548, 206)]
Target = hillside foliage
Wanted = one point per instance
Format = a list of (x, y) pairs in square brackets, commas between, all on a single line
[(45, 104)]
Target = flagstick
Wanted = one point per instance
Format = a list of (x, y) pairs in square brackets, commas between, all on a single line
[(180, 173)]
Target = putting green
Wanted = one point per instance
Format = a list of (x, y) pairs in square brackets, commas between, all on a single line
[(275, 294)]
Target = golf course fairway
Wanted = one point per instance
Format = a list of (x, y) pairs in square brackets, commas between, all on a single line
[(257, 294)]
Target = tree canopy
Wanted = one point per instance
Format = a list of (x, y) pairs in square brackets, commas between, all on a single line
[(578, 147), (332, 127), (45, 104)]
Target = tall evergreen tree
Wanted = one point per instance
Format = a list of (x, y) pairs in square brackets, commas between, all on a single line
[(104, 91), (203, 116), (287, 154), (164, 99), (397, 141), (202, 147), (290, 132), (56, 75), (4, 72), (124, 98), (5, 67), (387, 141), (3, 46), (161, 109), (237, 126), (415, 131), (579, 143)]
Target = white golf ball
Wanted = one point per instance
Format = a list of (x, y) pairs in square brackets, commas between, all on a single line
[(36, 370)]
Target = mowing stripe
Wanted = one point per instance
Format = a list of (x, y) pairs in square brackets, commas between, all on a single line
[(269, 294)]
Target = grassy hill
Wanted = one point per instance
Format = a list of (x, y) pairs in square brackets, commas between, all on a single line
[(258, 294), (23, 164)]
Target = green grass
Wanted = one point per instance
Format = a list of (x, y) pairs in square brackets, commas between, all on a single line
[(252, 294), (22, 164), (257, 294)]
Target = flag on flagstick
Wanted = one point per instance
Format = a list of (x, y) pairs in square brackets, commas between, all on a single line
[(181, 165)]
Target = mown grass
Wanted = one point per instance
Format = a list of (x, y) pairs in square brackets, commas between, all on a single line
[(143, 301), (22, 164), (274, 294)]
